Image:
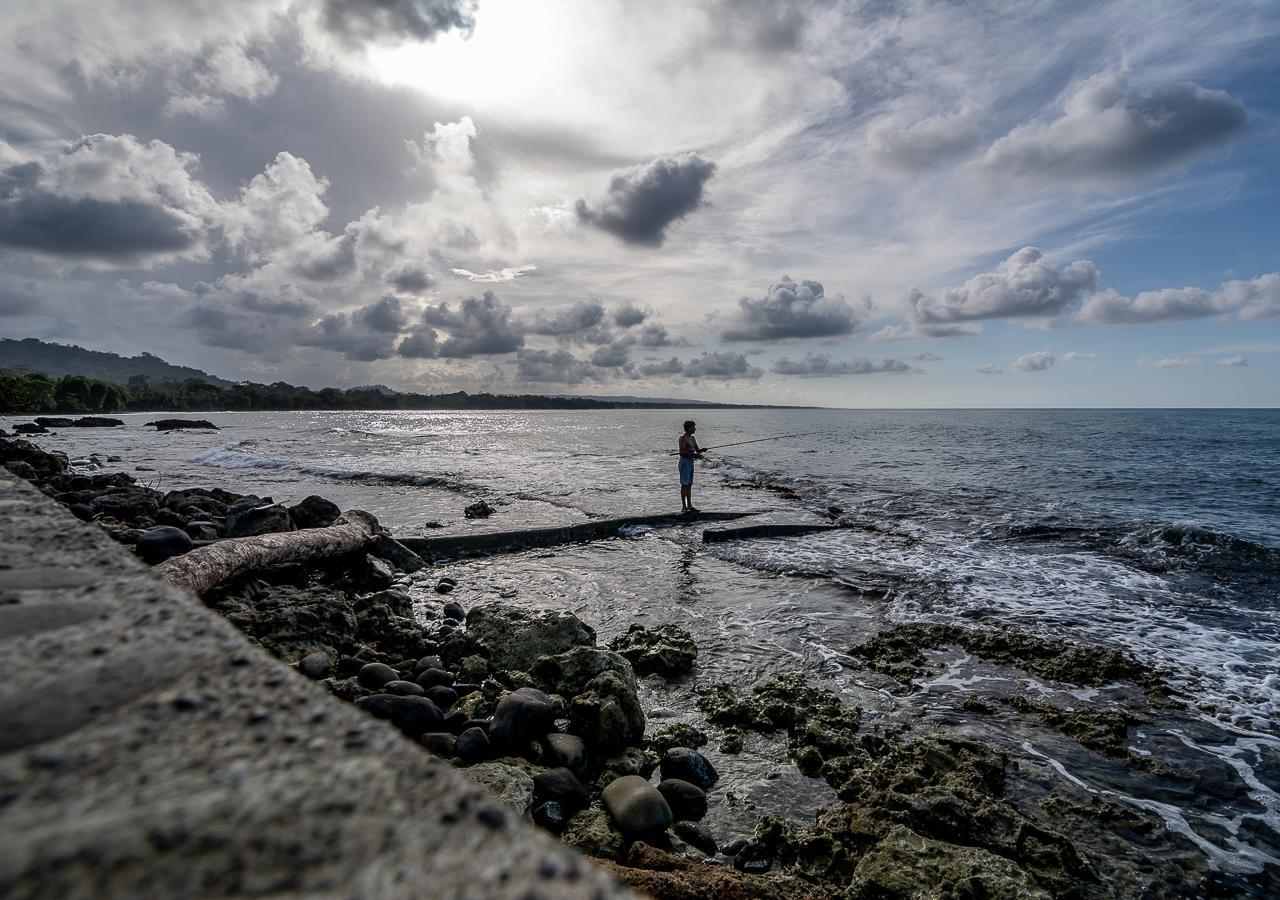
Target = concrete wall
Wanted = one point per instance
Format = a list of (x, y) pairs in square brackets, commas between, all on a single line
[(148, 750)]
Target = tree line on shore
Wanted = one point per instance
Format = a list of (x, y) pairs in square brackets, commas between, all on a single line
[(35, 393)]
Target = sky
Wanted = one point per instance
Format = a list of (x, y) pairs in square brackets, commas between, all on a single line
[(853, 204)]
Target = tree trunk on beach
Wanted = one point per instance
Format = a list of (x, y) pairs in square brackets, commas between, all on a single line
[(206, 567)]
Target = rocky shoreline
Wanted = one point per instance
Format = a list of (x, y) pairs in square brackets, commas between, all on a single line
[(532, 707)]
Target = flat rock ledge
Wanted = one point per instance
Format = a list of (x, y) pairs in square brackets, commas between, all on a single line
[(147, 749)]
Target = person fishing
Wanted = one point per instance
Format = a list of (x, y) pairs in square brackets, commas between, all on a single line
[(689, 451)]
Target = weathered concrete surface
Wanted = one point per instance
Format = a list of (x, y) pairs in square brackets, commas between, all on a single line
[(147, 750), (491, 543)]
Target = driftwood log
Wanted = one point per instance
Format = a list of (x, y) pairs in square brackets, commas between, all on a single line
[(204, 568)]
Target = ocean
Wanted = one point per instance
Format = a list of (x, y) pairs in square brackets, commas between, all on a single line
[(1157, 531)]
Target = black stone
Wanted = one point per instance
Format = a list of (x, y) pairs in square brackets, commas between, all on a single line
[(412, 715), (427, 662), (689, 765), (563, 787), (482, 724), (159, 543), (349, 665), (733, 847), (405, 689), (375, 675), (687, 801), (753, 859), (696, 835), (550, 816), (314, 665), (454, 610), (441, 696), (445, 585), (440, 743), (430, 678), (472, 745), (464, 689), (521, 716), (314, 512), (456, 722)]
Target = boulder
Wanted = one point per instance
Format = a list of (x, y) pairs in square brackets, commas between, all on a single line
[(96, 422), (29, 428), (434, 677), (314, 512), (563, 787), (517, 637), (568, 673), (441, 743), (567, 750), (677, 735), (904, 864), (441, 696), (454, 610), (375, 676), (315, 665), (202, 531), (479, 510), (407, 689), (631, 761), (592, 832), (473, 744), (258, 520), (52, 422), (520, 717), (131, 504), (755, 859), (635, 806), (179, 424), (689, 765), (412, 715), (45, 464), (687, 801), (608, 715), (667, 650), (28, 472), (159, 543), (506, 783), (695, 835)]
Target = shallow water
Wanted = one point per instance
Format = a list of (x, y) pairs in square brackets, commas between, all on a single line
[(1156, 530)]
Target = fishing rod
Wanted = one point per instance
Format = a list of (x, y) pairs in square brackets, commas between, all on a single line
[(757, 441)]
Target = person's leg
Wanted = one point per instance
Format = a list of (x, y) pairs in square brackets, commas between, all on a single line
[(684, 497)]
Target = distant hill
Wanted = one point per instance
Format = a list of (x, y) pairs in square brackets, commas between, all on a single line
[(56, 360)]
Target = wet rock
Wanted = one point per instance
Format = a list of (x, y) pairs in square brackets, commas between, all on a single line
[(407, 689), (434, 677), (454, 610), (695, 835), (567, 750), (182, 424), (678, 735), (135, 505), (473, 745), (630, 761), (259, 520), (53, 422), (412, 715), (377, 574), (687, 801), (202, 531), (667, 650), (733, 847), (315, 665), (29, 428), (755, 859), (520, 717), (563, 787), (508, 784), (441, 743), (516, 637), (97, 422), (446, 585), (608, 716), (551, 816), (456, 721), (905, 864), (427, 662), (375, 675), (635, 806), (689, 765), (314, 512), (478, 510), (28, 472), (441, 696), (162, 542), (659, 873), (568, 673), (464, 688), (592, 832)]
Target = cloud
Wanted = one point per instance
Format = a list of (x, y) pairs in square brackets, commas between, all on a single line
[(384, 315), (478, 327), (611, 356), (988, 369), (720, 364), (793, 310), (626, 314), (916, 146), (421, 344), (446, 147), (926, 356), (497, 276), (276, 209), (554, 366), (109, 199), (1024, 286), (237, 314), (1110, 131), (409, 279), (821, 365), (396, 21), (1258, 298), (1033, 362), (1236, 361), (569, 320), (1073, 355), (227, 72), (643, 201), (1172, 362), (653, 334), (17, 299)]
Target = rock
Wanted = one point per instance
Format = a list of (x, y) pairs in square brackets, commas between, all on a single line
[(258, 520), (454, 610), (29, 428), (517, 637), (456, 722), (315, 665), (567, 750), (755, 859), (608, 716), (434, 677), (592, 832), (473, 745), (666, 650), (631, 761), (52, 422), (427, 662), (202, 531), (733, 847), (446, 585), (131, 504), (689, 765), (465, 689), (473, 669), (179, 424), (441, 696), (678, 735), (402, 559), (375, 675), (407, 689), (568, 673), (695, 835), (28, 472), (96, 422), (479, 510), (904, 864), (412, 715), (441, 743), (378, 574), (159, 543), (550, 815), (506, 783), (635, 806), (314, 512), (521, 716), (563, 787), (687, 801)]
